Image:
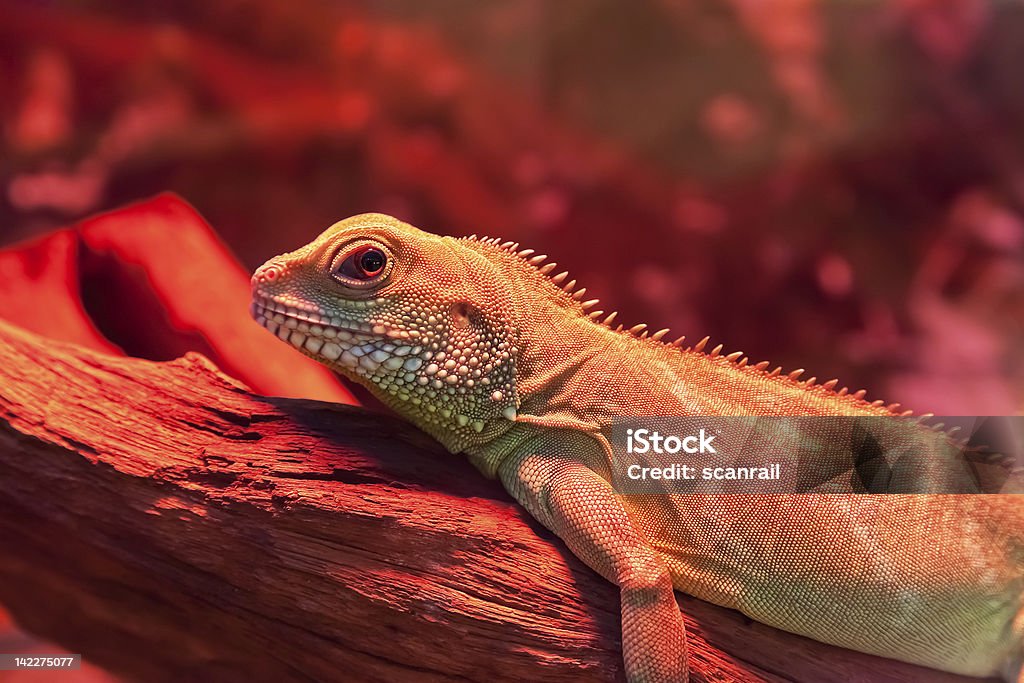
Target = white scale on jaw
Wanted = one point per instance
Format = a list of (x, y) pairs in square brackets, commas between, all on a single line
[(334, 338), (367, 349)]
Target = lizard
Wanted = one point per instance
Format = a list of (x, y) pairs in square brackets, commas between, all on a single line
[(478, 344)]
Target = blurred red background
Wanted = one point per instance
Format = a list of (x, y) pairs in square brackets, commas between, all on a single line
[(831, 185)]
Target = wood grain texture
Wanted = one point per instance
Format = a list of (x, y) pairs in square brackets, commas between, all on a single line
[(169, 524)]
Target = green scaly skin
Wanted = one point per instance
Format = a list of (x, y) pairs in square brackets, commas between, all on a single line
[(480, 347)]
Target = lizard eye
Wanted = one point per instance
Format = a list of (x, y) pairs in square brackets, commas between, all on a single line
[(362, 266)]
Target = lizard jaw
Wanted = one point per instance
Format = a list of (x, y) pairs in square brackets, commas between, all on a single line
[(332, 340), (407, 368)]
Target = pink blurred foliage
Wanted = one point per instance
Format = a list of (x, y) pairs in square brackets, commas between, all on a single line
[(793, 39), (946, 29), (42, 118), (730, 119)]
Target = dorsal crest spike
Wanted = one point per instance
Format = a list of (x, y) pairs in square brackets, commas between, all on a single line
[(796, 373), (742, 362), (906, 413), (734, 355), (619, 328), (643, 335), (893, 407), (844, 391), (659, 334), (878, 403), (776, 372), (810, 381), (701, 344), (590, 304), (636, 329), (569, 285), (578, 294), (472, 237), (594, 315), (548, 268), (860, 393), (560, 278), (762, 365), (679, 342), (526, 253), (831, 384), (610, 318), (537, 260), (508, 245), (717, 350)]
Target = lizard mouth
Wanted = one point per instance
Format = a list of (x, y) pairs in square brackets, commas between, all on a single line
[(330, 339), (275, 315)]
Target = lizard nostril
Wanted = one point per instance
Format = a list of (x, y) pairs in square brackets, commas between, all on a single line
[(267, 273)]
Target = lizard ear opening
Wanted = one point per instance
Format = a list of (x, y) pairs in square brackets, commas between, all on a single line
[(462, 315)]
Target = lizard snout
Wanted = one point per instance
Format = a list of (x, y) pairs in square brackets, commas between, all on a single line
[(267, 273)]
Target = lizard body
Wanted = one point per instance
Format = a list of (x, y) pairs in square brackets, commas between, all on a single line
[(478, 345)]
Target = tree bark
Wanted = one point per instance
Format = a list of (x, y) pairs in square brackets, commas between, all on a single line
[(171, 525)]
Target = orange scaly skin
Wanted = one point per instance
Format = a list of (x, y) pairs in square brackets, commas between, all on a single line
[(476, 344)]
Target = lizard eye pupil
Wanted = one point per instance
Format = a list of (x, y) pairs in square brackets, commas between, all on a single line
[(365, 263), (371, 261)]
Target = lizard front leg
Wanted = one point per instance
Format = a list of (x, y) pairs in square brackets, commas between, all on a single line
[(549, 478)]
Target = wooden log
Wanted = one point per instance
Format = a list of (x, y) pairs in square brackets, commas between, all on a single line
[(170, 525), (131, 280)]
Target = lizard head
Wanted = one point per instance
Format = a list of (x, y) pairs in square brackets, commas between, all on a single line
[(426, 322)]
